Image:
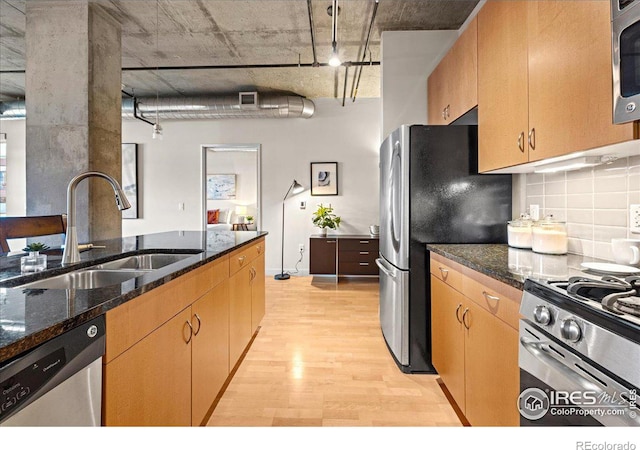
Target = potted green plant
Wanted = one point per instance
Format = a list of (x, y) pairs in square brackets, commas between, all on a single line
[(249, 219), (324, 218)]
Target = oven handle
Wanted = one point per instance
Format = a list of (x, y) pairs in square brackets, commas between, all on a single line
[(541, 352)]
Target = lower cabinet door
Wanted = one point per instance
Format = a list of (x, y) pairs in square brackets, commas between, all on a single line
[(210, 349), (447, 308), (492, 373), (150, 384), (239, 314), (257, 293)]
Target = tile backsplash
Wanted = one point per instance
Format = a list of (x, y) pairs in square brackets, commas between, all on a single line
[(594, 202)]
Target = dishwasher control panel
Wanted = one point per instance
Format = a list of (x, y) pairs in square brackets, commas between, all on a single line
[(17, 388)]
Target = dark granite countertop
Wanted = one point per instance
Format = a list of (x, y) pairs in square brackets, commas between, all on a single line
[(29, 317), (511, 265)]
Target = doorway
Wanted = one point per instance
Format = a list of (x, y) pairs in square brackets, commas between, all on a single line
[(231, 186)]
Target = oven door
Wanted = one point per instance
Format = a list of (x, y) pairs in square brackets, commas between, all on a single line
[(560, 388), (626, 64)]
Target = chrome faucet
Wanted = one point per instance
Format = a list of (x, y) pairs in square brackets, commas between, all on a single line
[(71, 254)]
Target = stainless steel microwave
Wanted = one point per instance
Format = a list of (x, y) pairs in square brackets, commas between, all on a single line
[(625, 28)]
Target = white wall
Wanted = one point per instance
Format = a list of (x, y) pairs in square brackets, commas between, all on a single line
[(408, 57), (171, 171)]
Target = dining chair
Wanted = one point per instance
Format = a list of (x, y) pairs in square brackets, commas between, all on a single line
[(31, 226)]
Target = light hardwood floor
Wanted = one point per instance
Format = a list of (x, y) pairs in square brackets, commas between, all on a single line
[(319, 359)]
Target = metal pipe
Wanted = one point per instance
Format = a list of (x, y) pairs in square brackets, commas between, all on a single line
[(354, 93), (346, 75), (224, 67), (313, 37)]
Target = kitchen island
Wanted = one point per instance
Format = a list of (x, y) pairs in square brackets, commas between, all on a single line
[(29, 317)]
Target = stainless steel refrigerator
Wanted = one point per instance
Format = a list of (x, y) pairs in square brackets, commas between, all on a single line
[(430, 192)]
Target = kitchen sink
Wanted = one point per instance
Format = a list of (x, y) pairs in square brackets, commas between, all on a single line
[(109, 273), (85, 279), (144, 262)]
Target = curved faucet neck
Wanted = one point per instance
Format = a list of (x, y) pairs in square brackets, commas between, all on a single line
[(71, 254)]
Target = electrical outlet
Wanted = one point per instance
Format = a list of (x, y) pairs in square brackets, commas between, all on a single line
[(534, 212), (301, 248), (634, 218), (180, 206)]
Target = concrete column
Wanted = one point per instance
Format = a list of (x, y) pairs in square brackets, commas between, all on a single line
[(73, 102)]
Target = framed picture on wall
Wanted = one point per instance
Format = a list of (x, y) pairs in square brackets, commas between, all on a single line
[(130, 179), (221, 186), (324, 178)]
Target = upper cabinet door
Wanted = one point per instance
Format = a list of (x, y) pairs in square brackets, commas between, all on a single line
[(464, 72), (570, 77), (437, 92), (502, 85), (452, 88)]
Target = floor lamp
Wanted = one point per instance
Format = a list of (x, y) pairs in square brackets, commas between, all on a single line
[(295, 188)]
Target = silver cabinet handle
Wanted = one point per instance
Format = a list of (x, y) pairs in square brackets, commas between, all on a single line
[(532, 139), (195, 333), (187, 340), (444, 113), (384, 269), (364, 242), (464, 317), (364, 264), (364, 253), (241, 259), (457, 311), (259, 248), (331, 242), (444, 272), (521, 141), (490, 297), (447, 109)]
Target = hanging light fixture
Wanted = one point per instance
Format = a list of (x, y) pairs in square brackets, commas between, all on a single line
[(333, 11), (157, 129)]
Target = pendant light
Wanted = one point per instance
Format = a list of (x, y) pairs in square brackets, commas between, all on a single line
[(157, 129), (334, 60)]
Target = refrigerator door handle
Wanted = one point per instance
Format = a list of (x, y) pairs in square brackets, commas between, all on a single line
[(386, 271)]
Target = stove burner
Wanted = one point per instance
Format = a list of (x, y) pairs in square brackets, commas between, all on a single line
[(617, 295)]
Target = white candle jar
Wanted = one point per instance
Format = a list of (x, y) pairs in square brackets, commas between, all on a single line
[(549, 236), (519, 232)]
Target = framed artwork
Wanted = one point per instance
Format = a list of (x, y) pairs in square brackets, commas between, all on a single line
[(130, 179), (221, 186), (324, 178)]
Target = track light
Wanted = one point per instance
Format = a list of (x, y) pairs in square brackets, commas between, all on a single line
[(334, 61)]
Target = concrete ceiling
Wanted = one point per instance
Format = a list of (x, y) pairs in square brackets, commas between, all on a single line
[(211, 33)]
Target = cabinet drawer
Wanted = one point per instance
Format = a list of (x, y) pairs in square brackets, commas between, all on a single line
[(445, 272), (244, 255), (359, 256), (350, 245), (357, 268), (499, 299)]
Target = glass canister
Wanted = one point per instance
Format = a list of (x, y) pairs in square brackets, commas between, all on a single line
[(549, 236), (519, 232)]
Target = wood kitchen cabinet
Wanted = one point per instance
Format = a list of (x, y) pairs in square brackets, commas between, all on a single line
[(246, 290), (170, 351), (475, 342), (452, 87), (544, 81)]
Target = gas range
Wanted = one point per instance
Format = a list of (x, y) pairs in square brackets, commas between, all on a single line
[(608, 294), (581, 336)]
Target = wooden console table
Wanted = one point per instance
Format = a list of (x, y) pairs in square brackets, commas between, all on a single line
[(345, 254)]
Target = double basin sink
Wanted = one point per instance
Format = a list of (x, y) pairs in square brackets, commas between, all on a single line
[(109, 273)]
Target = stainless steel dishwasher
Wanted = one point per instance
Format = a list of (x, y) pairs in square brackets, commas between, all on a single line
[(58, 383)]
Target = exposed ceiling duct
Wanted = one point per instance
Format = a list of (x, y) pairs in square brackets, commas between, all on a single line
[(245, 105)]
